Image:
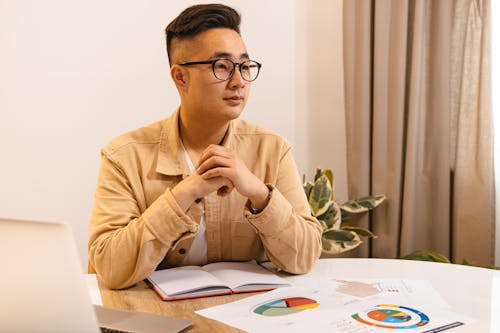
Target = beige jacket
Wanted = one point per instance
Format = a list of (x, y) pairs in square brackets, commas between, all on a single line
[(137, 226)]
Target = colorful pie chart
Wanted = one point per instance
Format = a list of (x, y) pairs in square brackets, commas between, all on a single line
[(285, 306), (392, 316)]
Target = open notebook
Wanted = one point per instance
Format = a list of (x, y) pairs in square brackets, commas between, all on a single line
[(42, 286)]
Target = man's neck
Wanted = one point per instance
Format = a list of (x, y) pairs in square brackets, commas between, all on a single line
[(197, 135)]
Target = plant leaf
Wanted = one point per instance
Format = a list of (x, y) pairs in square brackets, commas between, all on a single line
[(353, 207), (337, 220), (324, 209), (372, 201), (327, 245), (424, 255), (307, 188), (345, 216), (331, 218), (323, 225), (360, 231), (340, 235), (339, 247), (318, 174), (363, 204), (320, 196), (335, 246), (329, 174)]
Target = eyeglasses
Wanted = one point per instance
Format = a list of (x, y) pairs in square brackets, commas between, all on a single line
[(224, 68)]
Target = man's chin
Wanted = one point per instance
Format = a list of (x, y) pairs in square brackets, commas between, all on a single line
[(233, 112)]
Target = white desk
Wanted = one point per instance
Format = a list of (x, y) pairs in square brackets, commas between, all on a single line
[(469, 290)]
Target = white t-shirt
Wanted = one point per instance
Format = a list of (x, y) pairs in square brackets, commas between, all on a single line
[(197, 254)]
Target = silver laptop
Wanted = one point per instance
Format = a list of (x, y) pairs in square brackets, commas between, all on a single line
[(43, 289)]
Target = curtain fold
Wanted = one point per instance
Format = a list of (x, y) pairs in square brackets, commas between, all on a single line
[(417, 94), (357, 91), (473, 175)]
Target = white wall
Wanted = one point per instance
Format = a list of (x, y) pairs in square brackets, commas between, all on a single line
[(74, 74), (320, 131)]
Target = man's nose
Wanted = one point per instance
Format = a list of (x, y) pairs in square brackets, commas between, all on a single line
[(236, 80)]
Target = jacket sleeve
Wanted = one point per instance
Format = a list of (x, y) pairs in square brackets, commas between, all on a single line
[(125, 244), (290, 234)]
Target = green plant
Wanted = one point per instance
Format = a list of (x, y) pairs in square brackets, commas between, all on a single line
[(337, 236), (422, 255), (425, 255)]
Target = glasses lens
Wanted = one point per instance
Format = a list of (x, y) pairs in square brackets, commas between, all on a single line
[(223, 69), (249, 70)]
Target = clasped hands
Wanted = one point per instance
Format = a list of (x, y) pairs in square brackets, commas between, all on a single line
[(220, 169)]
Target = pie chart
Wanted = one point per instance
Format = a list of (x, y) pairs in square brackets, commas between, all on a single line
[(285, 306), (392, 316)]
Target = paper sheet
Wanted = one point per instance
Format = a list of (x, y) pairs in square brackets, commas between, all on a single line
[(495, 303), (345, 306), (93, 287)]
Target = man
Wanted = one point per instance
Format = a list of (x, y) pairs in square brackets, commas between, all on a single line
[(201, 186)]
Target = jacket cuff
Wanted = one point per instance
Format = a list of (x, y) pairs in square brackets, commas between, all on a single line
[(166, 220), (272, 219)]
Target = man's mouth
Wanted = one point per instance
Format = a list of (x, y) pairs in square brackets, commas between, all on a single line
[(234, 98)]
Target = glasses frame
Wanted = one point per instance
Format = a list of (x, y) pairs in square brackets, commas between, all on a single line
[(239, 64)]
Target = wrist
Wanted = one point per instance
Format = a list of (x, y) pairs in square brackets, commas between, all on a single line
[(183, 196), (258, 203)]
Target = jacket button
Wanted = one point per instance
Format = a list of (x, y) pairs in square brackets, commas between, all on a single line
[(182, 250)]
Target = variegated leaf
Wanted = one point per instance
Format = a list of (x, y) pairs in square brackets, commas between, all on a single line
[(337, 222), (318, 174), (327, 245), (340, 235), (320, 195), (334, 246), (345, 216), (324, 209), (363, 204), (307, 188), (353, 207), (331, 217), (372, 201), (426, 256), (329, 174), (360, 231), (323, 225)]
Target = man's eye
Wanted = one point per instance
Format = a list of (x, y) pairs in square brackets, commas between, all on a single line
[(221, 66)]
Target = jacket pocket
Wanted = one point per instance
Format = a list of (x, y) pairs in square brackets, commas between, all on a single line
[(245, 242)]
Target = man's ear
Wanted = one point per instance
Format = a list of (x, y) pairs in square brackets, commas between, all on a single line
[(179, 75)]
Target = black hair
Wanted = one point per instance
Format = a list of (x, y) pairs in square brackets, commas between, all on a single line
[(199, 18)]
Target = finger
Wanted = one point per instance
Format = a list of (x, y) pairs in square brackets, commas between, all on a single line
[(213, 162), (225, 190), (222, 185), (218, 172), (214, 150), (210, 151)]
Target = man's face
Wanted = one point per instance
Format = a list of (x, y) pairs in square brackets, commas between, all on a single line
[(203, 94)]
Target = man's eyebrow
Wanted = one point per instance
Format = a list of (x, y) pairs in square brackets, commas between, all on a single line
[(229, 55)]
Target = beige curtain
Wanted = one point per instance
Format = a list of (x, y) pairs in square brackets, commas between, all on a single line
[(418, 114)]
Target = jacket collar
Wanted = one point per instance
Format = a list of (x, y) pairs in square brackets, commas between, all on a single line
[(171, 159)]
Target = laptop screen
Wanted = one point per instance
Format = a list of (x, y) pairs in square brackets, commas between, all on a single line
[(42, 285), (43, 288)]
